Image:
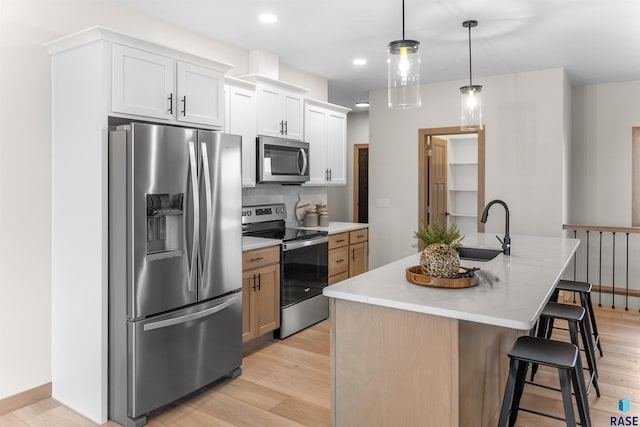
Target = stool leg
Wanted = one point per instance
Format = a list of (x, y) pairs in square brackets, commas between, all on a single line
[(587, 342), (565, 387), (508, 393), (581, 397), (592, 318), (543, 323), (517, 394), (582, 386)]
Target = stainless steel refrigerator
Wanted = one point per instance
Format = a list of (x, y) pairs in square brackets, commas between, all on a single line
[(175, 265)]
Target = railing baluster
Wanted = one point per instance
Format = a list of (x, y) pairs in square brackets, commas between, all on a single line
[(575, 262), (626, 294), (588, 256), (600, 274), (613, 273)]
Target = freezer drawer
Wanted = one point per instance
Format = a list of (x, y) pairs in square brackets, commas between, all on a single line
[(177, 353)]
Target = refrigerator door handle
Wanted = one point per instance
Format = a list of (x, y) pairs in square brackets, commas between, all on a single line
[(196, 214), (209, 220), (193, 316)]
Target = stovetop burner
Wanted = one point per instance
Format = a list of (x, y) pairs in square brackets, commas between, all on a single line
[(268, 221)]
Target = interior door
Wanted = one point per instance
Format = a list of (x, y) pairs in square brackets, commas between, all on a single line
[(438, 181)]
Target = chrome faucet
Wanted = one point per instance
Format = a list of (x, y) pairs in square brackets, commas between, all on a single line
[(506, 242)]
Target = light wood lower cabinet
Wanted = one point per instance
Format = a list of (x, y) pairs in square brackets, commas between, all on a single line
[(348, 254), (260, 292)]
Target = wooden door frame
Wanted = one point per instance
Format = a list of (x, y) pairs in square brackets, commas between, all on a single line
[(424, 137), (356, 174)]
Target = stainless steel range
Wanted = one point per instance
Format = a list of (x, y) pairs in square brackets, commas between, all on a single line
[(304, 266)]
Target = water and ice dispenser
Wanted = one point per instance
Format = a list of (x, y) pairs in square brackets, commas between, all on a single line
[(165, 222)]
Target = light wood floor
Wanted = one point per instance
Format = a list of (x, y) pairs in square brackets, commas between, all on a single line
[(286, 383)]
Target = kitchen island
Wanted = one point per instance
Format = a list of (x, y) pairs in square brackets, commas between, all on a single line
[(404, 354)]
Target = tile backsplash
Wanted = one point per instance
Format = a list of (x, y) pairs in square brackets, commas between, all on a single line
[(287, 194)]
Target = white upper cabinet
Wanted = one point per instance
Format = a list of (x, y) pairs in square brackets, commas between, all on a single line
[(158, 86), (200, 95), (240, 119), (325, 129), (143, 83), (280, 108)]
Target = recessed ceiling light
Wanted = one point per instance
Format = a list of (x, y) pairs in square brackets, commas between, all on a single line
[(268, 18), (359, 61), (362, 104)]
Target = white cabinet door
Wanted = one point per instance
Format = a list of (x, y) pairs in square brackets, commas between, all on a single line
[(143, 83), (315, 133), (268, 112), (240, 119), (337, 148), (200, 95), (292, 114)]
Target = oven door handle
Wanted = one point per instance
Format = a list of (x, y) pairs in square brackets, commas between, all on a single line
[(305, 243)]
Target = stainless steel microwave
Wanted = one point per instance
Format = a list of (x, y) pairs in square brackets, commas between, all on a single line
[(283, 161)]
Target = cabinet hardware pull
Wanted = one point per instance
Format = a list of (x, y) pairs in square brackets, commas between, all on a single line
[(330, 174), (353, 254), (256, 259), (259, 280), (286, 127), (171, 103), (281, 127), (339, 261), (254, 283), (184, 105), (360, 236), (340, 241)]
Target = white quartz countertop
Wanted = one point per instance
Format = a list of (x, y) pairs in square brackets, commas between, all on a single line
[(525, 281), (336, 227), (251, 243)]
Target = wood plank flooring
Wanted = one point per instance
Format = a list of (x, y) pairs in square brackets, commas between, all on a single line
[(286, 383)]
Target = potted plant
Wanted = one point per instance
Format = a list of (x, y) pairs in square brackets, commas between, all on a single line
[(439, 257)]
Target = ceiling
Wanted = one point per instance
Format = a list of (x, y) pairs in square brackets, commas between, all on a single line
[(594, 40)]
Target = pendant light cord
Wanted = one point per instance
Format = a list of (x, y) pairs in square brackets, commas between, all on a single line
[(470, 83), (403, 20)]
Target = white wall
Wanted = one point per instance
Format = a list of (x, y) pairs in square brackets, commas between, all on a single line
[(340, 198), (603, 116), (25, 161), (524, 116)]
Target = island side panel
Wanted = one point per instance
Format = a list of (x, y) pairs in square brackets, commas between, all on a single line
[(484, 368), (393, 367)]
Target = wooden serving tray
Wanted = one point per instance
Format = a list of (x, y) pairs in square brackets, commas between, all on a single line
[(414, 275)]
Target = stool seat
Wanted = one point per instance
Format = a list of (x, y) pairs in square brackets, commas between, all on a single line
[(573, 286), (552, 353), (563, 311)]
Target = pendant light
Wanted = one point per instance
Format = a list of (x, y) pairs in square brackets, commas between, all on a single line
[(403, 61), (471, 95)]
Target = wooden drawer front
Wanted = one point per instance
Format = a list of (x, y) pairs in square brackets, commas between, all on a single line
[(260, 257), (338, 240), (358, 236), (338, 261), (338, 278)]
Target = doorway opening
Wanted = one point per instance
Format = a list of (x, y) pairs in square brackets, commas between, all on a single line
[(451, 177), (361, 183)]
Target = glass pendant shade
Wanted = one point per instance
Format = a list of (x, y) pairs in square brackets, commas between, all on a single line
[(471, 107), (403, 61)]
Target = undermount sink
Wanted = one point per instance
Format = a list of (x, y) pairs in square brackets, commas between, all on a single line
[(478, 254)]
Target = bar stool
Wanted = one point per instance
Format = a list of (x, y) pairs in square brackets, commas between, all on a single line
[(565, 357), (584, 290), (576, 318)]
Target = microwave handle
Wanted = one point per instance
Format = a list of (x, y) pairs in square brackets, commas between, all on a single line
[(303, 170)]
